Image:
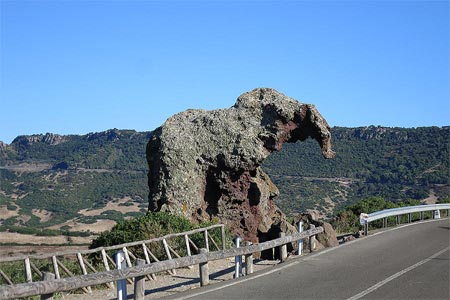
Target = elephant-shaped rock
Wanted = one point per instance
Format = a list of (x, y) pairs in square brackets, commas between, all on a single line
[(206, 165)]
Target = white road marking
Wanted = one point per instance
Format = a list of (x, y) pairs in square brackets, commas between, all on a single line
[(398, 274)]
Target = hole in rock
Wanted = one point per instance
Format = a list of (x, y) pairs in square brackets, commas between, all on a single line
[(212, 194)]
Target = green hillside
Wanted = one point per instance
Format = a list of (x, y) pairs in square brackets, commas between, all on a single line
[(393, 163), (48, 179)]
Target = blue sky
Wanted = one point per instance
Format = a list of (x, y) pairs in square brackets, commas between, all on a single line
[(73, 67)]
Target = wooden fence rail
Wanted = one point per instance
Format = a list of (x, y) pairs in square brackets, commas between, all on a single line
[(82, 281)]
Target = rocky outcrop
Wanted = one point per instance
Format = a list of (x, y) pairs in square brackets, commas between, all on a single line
[(325, 239), (207, 164), (48, 139)]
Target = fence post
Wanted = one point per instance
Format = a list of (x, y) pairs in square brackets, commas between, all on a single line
[(300, 242), (248, 261), (83, 268), (222, 230), (283, 248), (139, 282), (28, 274), (237, 259), (204, 270), (121, 284), (206, 239), (47, 276), (188, 247), (312, 239), (55, 267)]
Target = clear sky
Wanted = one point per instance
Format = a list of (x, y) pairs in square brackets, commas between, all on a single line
[(74, 67)]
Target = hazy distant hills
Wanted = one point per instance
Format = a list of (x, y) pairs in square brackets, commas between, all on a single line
[(46, 180)]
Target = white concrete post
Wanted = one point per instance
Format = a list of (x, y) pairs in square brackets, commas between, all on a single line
[(300, 242), (121, 284), (437, 214), (237, 259)]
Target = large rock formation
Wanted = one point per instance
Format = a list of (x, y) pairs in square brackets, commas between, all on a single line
[(207, 164)]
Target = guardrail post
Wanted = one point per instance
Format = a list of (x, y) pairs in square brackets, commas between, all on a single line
[(437, 214), (248, 260), (312, 239), (237, 259), (300, 241), (204, 270), (121, 284), (397, 220), (139, 282), (409, 218), (283, 248), (47, 276)]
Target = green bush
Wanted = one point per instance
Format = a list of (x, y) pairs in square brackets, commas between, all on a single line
[(347, 220)]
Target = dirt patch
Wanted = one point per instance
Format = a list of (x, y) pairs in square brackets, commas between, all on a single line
[(27, 167), (17, 238), (116, 204), (97, 227), (42, 214), (330, 206), (23, 219), (5, 213), (431, 199)]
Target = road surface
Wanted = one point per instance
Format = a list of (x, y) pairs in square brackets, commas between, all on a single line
[(410, 262)]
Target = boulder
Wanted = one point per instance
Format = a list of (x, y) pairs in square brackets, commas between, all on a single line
[(206, 165), (327, 238)]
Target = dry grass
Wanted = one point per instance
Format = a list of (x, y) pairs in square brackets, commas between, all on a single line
[(5, 213), (18, 238), (112, 205)]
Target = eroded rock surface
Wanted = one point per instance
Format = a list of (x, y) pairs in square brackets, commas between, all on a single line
[(207, 164)]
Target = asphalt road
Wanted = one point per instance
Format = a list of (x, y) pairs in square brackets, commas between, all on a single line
[(411, 262)]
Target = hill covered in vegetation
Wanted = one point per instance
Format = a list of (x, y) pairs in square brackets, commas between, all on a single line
[(47, 180), (396, 164)]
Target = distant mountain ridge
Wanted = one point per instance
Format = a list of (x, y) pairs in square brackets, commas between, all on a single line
[(63, 175)]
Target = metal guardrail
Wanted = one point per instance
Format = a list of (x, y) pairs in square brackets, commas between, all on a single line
[(365, 219), (141, 270)]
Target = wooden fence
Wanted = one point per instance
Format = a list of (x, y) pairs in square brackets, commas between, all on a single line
[(140, 271), (35, 265)]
